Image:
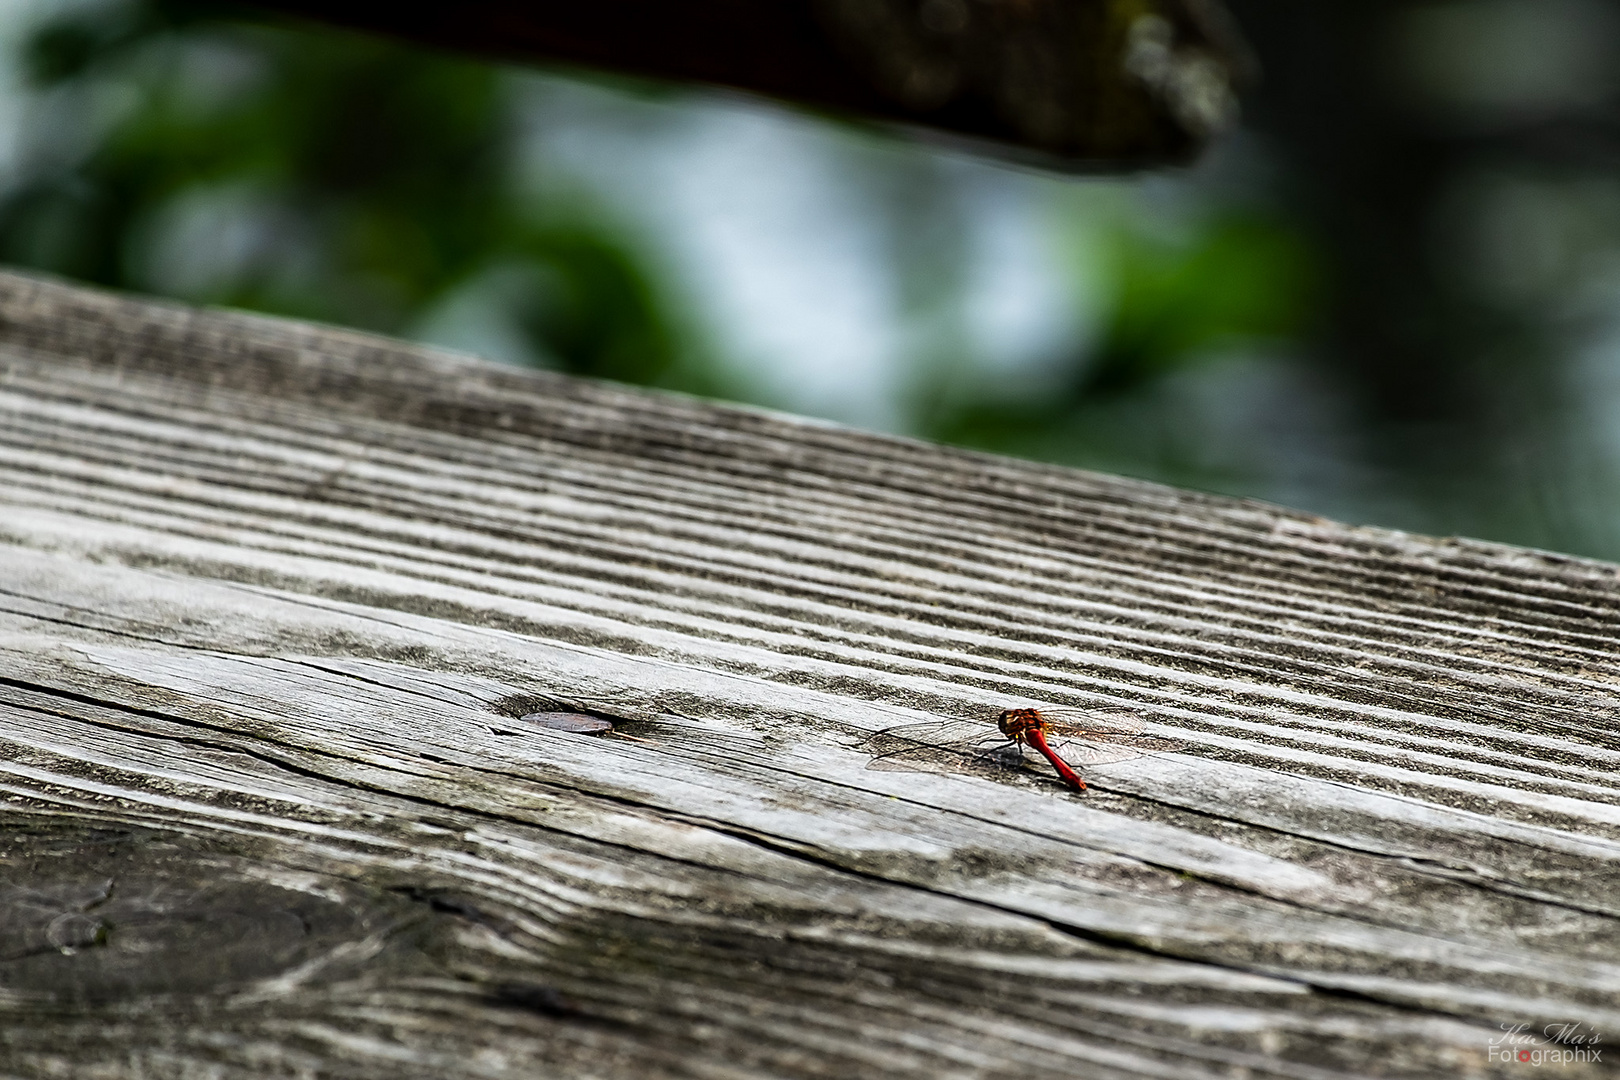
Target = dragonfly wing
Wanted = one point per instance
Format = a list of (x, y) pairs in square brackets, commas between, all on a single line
[(940, 746), (1080, 736), (1086, 751), (956, 734), (989, 762), (1080, 754), (1099, 724)]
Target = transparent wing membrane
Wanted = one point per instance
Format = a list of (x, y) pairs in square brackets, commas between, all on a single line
[(1079, 736)]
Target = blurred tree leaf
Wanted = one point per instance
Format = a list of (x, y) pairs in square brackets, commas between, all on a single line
[(1237, 280), (1234, 282), (600, 316)]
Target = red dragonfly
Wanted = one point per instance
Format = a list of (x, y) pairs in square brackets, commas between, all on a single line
[(1064, 737)]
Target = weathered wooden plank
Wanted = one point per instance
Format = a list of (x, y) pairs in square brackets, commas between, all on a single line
[(272, 597)]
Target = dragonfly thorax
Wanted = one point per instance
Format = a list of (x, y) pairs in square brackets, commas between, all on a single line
[(1016, 724)]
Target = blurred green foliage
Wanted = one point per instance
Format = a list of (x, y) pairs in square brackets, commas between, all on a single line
[(1232, 282), (1235, 281), (202, 152)]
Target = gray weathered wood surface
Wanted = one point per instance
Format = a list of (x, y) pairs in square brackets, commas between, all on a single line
[(271, 596)]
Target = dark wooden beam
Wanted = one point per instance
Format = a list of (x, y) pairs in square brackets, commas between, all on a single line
[(1087, 84)]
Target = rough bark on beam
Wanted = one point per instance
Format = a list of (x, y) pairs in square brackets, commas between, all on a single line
[(274, 598), (1080, 84)]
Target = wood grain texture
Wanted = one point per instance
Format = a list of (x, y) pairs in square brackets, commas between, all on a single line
[(274, 597)]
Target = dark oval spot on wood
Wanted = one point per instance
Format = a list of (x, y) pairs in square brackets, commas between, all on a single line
[(578, 723), (541, 999)]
